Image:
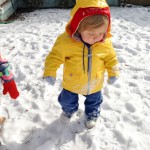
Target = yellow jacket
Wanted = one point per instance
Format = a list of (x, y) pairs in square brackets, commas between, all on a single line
[(78, 78)]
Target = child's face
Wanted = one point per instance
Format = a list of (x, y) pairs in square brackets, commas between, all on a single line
[(92, 36)]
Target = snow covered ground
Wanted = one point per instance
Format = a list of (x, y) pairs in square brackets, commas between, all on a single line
[(33, 122)]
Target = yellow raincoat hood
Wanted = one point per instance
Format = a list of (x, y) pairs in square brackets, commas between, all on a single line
[(85, 8)]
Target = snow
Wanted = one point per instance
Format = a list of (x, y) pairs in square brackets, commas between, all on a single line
[(34, 123)]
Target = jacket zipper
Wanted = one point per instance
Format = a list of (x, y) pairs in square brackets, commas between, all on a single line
[(89, 69)]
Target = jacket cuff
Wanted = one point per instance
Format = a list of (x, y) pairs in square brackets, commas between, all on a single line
[(49, 73)]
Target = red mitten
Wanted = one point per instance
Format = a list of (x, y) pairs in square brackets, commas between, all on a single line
[(11, 88)]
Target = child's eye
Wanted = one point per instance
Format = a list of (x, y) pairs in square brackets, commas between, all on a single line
[(91, 33)]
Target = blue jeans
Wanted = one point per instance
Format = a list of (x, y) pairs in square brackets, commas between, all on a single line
[(69, 103)]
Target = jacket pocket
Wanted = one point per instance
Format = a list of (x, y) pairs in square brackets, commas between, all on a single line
[(72, 81), (100, 74), (71, 78), (100, 77)]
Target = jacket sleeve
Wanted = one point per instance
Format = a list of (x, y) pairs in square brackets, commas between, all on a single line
[(55, 58), (5, 73), (111, 62)]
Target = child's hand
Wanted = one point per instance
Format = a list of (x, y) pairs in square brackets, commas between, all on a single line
[(51, 80), (11, 88), (112, 80)]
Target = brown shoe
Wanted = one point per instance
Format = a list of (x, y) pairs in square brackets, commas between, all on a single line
[(2, 120)]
